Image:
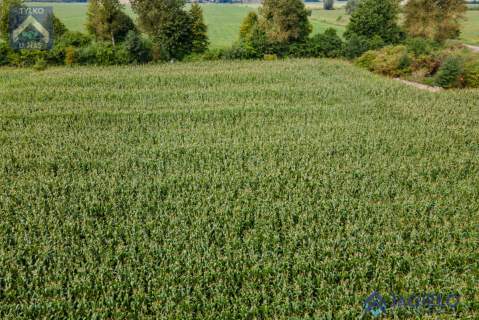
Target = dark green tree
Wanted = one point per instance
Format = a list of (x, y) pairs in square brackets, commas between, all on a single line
[(168, 24), (198, 29), (59, 27), (376, 18)]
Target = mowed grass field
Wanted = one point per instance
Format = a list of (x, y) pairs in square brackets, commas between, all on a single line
[(232, 190), (224, 20)]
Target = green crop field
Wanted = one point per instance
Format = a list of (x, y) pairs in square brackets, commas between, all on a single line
[(224, 20), (232, 190)]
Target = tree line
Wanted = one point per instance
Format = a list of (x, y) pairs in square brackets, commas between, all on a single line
[(169, 30)]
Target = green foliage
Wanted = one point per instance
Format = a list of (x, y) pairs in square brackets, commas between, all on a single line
[(101, 54), (471, 74), (327, 44), (5, 7), (107, 21), (4, 53), (450, 73), (199, 29), (285, 21), (169, 26), (328, 4), (376, 18), (393, 61), (139, 49), (59, 27), (421, 46), (434, 19), (69, 56), (40, 65), (69, 39), (232, 190), (356, 45)]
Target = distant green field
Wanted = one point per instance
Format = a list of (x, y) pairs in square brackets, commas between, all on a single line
[(233, 190), (224, 20)]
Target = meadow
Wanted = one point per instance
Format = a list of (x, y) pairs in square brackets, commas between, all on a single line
[(224, 20), (233, 190)]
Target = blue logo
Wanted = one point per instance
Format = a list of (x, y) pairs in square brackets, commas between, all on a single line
[(375, 304)]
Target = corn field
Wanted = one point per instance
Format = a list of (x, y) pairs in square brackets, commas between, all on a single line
[(233, 190)]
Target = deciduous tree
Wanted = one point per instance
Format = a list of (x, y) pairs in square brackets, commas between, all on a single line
[(434, 19)]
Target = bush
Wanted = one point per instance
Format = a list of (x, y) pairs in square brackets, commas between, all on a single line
[(101, 53), (367, 60), (26, 58), (138, 49), (421, 46), (40, 65), (69, 56), (4, 52), (392, 61), (355, 46), (471, 74), (69, 39), (328, 44), (212, 54), (239, 52), (450, 74)]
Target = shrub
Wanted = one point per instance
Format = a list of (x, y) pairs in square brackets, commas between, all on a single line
[(328, 4), (421, 46), (367, 60), (239, 52), (425, 65), (4, 52), (69, 56), (69, 39), (98, 53), (138, 49), (450, 74), (213, 54), (392, 61), (376, 18), (355, 46), (471, 74), (40, 65), (327, 44)]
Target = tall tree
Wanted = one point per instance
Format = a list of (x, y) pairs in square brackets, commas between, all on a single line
[(198, 29), (434, 19), (168, 24), (107, 21), (5, 7), (376, 18), (285, 21)]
